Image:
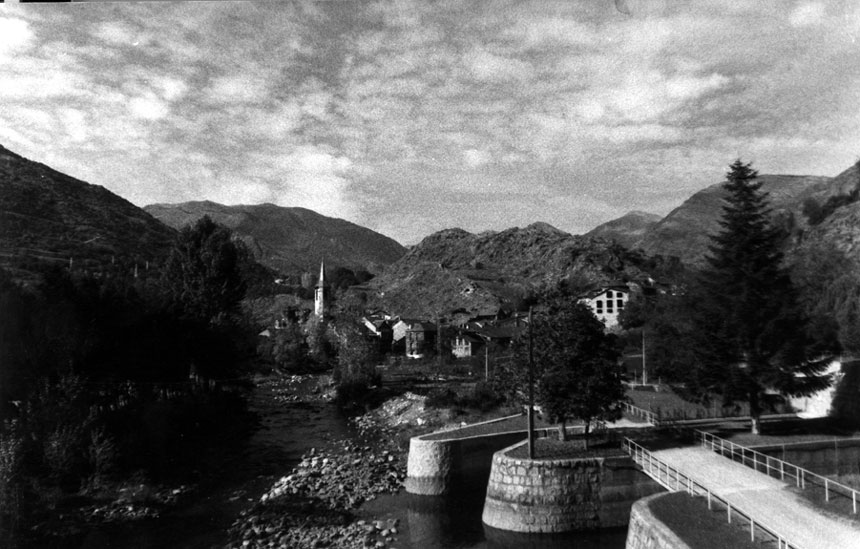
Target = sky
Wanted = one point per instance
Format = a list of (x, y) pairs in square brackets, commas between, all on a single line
[(409, 117)]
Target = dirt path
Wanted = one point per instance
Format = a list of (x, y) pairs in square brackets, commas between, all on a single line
[(766, 499)]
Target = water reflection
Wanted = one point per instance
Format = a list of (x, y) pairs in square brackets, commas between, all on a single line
[(454, 522)]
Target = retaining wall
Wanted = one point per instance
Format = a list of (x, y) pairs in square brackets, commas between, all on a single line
[(647, 531), (435, 467), (562, 495)]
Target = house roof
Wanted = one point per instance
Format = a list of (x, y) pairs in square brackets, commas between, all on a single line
[(499, 332), (600, 290)]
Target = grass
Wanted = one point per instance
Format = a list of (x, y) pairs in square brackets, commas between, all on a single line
[(840, 504), (691, 520), (667, 404), (789, 431), (516, 423), (551, 448)]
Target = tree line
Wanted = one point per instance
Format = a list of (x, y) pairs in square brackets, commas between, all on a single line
[(104, 377)]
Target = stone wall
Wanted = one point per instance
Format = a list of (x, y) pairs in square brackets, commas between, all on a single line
[(562, 495), (435, 467), (647, 532)]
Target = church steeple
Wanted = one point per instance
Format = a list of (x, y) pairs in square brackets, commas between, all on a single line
[(319, 293)]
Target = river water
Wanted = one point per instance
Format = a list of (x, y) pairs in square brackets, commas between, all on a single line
[(286, 431)]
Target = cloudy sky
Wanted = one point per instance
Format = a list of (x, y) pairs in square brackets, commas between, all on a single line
[(413, 116)]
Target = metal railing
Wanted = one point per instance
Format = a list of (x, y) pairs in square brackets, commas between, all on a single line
[(675, 480), (777, 468), (648, 416)]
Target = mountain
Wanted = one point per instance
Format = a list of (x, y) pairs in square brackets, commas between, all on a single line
[(47, 216), (291, 240), (628, 230), (840, 219), (685, 231), (454, 269)]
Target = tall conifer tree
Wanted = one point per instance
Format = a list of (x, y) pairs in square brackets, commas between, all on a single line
[(752, 338)]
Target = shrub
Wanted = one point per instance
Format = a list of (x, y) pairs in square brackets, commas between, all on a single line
[(11, 467), (441, 398), (101, 455)]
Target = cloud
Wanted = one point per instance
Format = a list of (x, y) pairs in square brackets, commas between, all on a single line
[(238, 88), (806, 14), (15, 35), (148, 107), (689, 87), (75, 123), (475, 158), (486, 66), (382, 113)]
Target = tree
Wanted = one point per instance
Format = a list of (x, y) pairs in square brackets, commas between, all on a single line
[(202, 276), (665, 321), (830, 292), (751, 337), (577, 370)]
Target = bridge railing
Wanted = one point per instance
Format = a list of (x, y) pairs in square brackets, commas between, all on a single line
[(647, 415), (676, 480), (777, 468)]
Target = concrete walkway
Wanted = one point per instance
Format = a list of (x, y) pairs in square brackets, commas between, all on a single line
[(767, 499)]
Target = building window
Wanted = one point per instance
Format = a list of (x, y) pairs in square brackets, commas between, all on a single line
[(620, 304), (599, 304), (609, 294)]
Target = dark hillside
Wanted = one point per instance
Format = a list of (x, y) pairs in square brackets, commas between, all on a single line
[(49, 217)]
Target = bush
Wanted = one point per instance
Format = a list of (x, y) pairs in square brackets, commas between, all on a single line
[(11, 467), (101, 455), (482, 397), (441, 398)]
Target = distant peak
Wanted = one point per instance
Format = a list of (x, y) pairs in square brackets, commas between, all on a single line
[(639, 214), (543, 227)]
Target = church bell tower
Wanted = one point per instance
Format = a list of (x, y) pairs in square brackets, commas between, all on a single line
[(319, 293)]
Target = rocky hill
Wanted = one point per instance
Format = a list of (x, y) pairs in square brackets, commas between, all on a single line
[(291, 240), (454, 269), (628, 230), (49, 217)]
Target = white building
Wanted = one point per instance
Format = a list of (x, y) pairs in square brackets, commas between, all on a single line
[(606, 303)]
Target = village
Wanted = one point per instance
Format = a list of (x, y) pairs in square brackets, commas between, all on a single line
[(395, 274)]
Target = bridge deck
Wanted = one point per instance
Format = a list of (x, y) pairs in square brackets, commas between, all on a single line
[(767, 499)]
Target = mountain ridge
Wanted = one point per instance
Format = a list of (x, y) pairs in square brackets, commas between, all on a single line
[(290, 239)]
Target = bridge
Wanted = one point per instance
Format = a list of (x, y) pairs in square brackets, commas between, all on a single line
[(754, 489)]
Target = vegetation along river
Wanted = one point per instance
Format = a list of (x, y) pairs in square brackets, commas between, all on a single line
[(289, 426)]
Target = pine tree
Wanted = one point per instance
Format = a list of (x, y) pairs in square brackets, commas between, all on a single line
[(751, 336)]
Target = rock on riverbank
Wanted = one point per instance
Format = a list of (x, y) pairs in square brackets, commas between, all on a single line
[(312, 506)]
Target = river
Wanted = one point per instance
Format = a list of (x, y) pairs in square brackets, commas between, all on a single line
[(286, 430)]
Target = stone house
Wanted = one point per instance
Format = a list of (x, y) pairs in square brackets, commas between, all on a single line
[(420, 338)]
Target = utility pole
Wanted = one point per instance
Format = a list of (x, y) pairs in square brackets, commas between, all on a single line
[(439, 342), (487, 362), (531, 412), (644, 369)]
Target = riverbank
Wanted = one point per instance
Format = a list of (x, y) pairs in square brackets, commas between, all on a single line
[(322, 501), (314, 505)]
